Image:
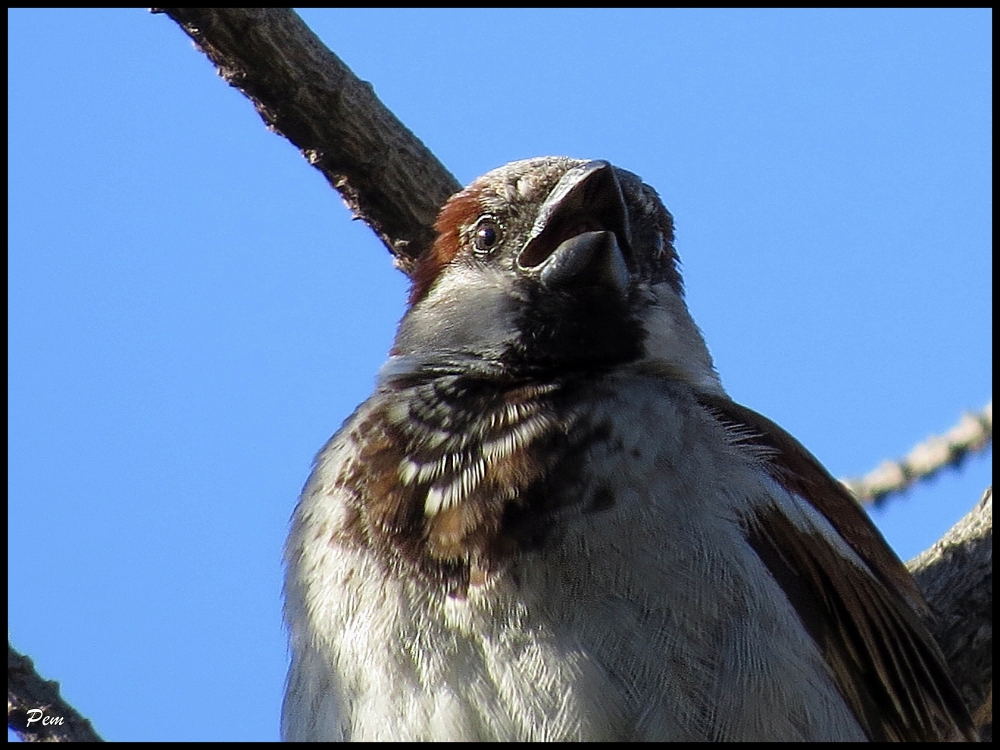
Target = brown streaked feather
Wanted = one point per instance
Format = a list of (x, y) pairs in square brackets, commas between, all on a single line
[(802, 474), (461, 210), (883, 660), (866, 624), (484, 522)]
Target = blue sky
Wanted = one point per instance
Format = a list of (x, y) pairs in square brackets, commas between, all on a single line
[(192, 313)]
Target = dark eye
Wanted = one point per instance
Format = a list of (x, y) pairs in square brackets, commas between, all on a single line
[(486, 235)]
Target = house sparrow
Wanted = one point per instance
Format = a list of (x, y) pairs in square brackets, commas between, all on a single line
[(550, 521)]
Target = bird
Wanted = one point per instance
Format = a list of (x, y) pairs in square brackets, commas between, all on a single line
[(549, 521)]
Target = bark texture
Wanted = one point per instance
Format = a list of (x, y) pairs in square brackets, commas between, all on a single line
[(304, 92)]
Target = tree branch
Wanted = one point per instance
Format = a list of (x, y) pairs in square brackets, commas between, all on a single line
[(36, 710), (304, 92), (956, 576), (973, 433)]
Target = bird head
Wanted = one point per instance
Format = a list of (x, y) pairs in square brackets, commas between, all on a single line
[(551, 265)]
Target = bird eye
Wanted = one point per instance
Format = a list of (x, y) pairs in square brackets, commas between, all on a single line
[(486, 235)]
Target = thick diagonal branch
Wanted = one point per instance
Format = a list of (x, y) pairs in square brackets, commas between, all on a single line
[(304, 92)]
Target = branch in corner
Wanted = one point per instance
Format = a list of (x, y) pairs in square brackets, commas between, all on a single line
[(387, 177)]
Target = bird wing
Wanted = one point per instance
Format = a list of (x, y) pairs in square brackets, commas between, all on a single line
[(858, 602)]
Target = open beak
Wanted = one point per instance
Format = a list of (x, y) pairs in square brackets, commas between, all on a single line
[(581, 234)]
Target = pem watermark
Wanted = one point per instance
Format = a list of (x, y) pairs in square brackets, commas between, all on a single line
[(38, 715)]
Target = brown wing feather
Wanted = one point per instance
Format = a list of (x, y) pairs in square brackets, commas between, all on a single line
[(866, 624)]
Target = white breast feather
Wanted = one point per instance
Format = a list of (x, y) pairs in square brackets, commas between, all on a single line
[(638, 616)]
